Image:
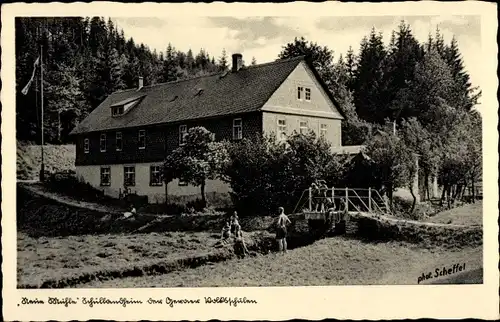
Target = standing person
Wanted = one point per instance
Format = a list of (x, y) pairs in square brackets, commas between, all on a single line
[(314, 195), (234, 222), (324, 195), (226, 231), (283, 221), (240, 248)]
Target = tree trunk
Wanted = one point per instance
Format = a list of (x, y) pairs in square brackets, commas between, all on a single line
[(389, 193), (443, 193), (456, 191), (203, 197), (427, 194), (450, 187), (414, 199), (59, 127), (166, 193), (473, 191)]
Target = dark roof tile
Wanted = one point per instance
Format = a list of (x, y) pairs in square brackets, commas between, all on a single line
[(214, 95)]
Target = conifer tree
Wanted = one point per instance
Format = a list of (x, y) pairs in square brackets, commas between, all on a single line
[(223, 64), (169, 72), (369, 84)]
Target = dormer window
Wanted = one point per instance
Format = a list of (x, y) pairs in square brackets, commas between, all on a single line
[(118, 110), (122, 107)]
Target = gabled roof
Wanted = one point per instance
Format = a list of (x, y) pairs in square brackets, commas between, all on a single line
[(220, 94)]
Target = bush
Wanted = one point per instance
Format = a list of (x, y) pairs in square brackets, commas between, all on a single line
[(68, 184), (265, 174), (402, 207)]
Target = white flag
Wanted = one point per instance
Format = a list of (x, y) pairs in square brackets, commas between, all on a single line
[(27, 87)]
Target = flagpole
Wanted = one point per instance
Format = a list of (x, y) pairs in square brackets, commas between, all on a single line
[(42, 169)]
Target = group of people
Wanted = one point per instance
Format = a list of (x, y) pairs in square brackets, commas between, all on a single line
[(232, 227), (320, 199)]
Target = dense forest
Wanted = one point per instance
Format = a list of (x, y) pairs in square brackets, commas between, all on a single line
[(419, 94), (86, 59)]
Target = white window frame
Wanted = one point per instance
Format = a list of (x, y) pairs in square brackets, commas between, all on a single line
[(300, 92), (118, 110), (182, 134), (323, 129), (103, 184), (119, 137), (86, 145), (307, 94), (237, 129), (126, 172), (155, 169), (102, 139), (301, 127), (282, 129), (143, 134)]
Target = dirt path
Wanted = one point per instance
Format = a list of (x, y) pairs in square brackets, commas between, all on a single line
[(414, 222), (69, 201)]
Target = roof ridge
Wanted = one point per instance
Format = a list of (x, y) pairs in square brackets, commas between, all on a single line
[(278, 61), (124, 90), (182, 80)]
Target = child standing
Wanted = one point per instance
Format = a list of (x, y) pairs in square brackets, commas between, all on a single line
[(240, 248), (281, 231)]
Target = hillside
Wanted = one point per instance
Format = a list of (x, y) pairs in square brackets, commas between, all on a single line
[(57, 158)]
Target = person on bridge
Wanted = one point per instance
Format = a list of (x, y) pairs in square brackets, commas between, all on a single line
[(315, 194), (281, 231), (324, 196)]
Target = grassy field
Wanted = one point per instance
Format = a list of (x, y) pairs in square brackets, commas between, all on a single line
[(334, 261), (62, 245), (56, 157), (65, 261), (41, 260), (470, 214)]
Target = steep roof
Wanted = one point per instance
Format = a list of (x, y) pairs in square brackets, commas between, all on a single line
[(214, 95)]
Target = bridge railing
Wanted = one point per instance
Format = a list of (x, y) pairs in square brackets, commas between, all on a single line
[(350, 199)]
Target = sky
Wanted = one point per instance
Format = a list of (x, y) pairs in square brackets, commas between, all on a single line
[(264, 37)]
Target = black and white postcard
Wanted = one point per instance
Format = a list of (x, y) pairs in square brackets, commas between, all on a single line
[(249, 161)]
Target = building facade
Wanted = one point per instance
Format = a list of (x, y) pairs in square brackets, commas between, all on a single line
[(122, 144)]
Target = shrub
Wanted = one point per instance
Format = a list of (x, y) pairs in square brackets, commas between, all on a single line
[(402, 209), (265, 174), (69, 185)]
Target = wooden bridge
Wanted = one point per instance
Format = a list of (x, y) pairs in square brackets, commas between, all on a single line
[(331, 208)]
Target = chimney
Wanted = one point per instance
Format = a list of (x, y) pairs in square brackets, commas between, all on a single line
[(141, 82), (237, 62)]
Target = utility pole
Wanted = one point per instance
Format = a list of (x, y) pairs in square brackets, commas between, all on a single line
[(42, 168)]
